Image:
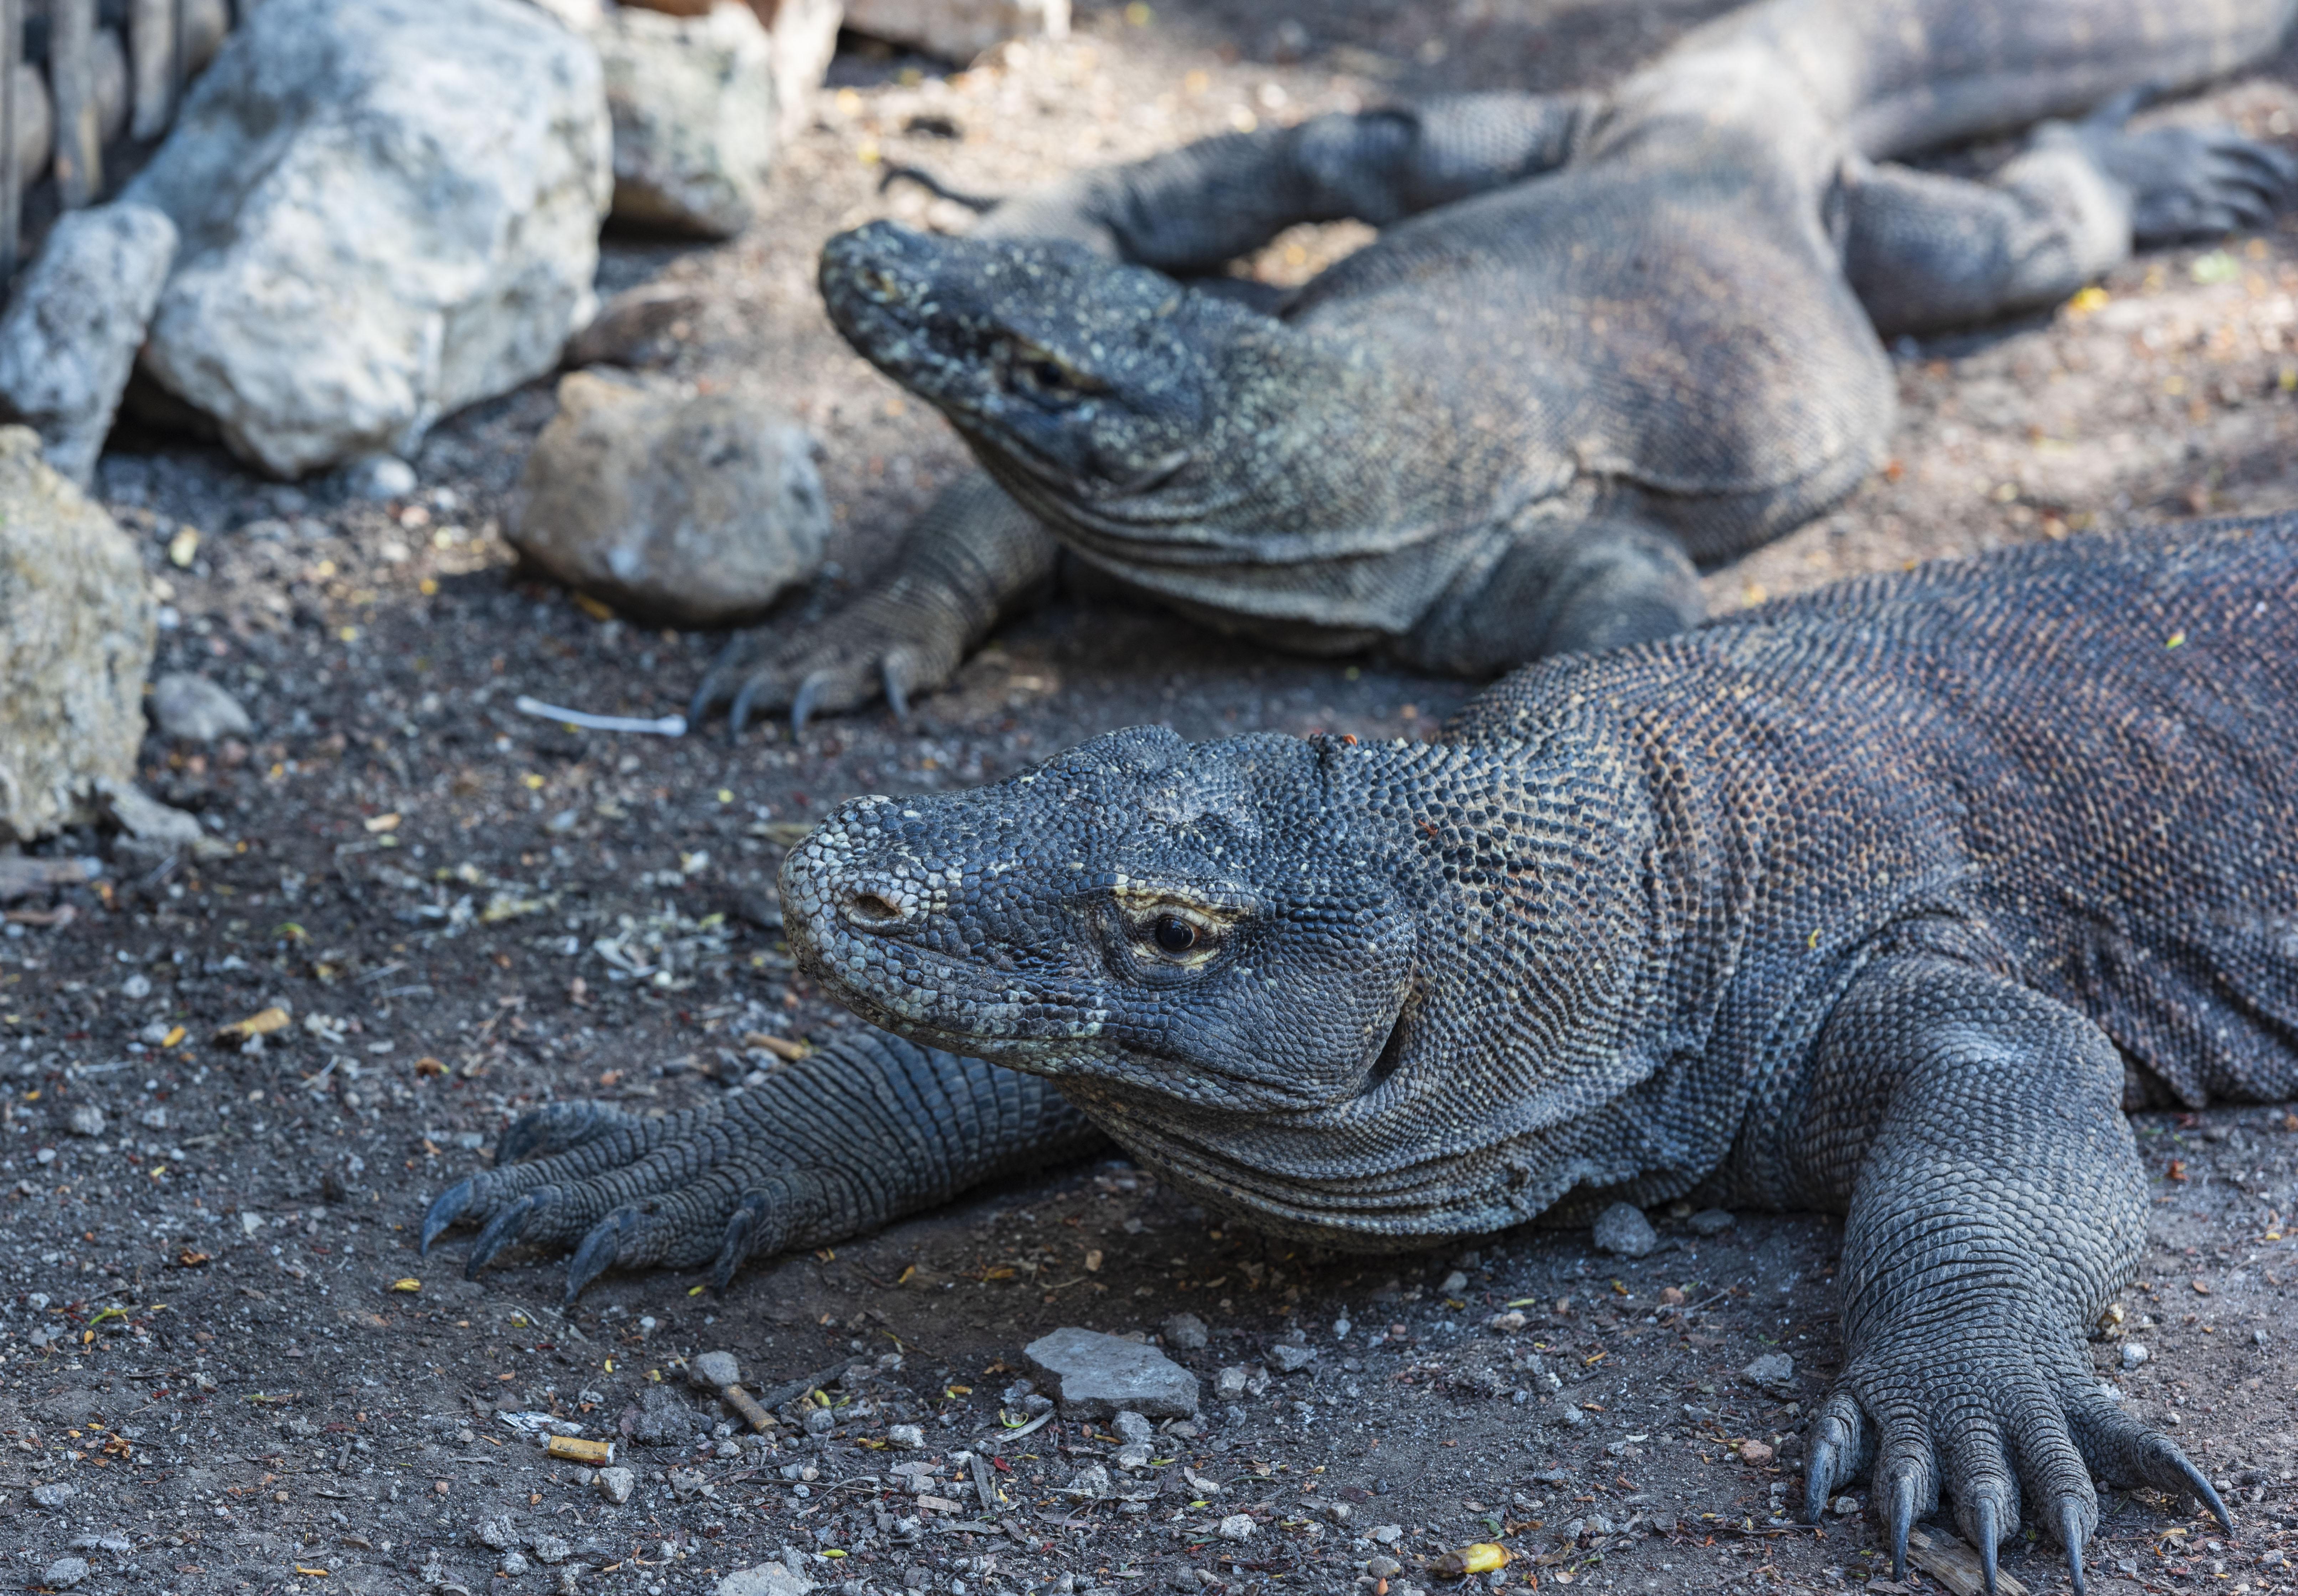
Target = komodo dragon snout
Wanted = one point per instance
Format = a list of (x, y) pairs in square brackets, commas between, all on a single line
[(1166, 920), (1072, 374)]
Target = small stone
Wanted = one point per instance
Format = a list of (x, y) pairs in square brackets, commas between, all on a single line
[(1710, 1221), (1236, 1526), (1454, 1284), (765, 1579), (513, 1563), (1507, 1323), (551, 1549), (957, 29), (1843, 1507), (2134, 1353), (664, 1418), (1094, 1375), (690, 509), (497, 1533), (1133, 1455), (1663, 1524), (615, 1484), (64, 1572), (908, 1437), (1386, 1534), (379, 477), (1572, 1419), (1774, 1374), (54, 1494), (1754, 1451), (86, 1120), (1092, 1482), (1131, 1427), (1623, 1231), (820, 1421), (191, 709), (1187, 1331), (712, 1370), (1384, 1567), (1230, 1384), (1289, 1359)]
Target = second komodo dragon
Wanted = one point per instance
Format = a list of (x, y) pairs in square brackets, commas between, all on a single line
[(1883, 901), (1603, 338)]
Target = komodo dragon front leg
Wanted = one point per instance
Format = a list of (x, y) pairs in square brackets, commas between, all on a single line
[(844, 1141), (1972, 1129), (1925, 252), (974, 558)]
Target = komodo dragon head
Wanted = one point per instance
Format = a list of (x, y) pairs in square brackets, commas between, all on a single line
[(1110, 399), (1309, 968)]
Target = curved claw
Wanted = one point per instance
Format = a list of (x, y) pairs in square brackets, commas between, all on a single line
[(1903, 1521), (504, 1228), (1837, 1441), (2206, 1491), (597, 1254), (448, 1206), (742, 1229), (898, 697), (2070, 1536), (1990, 1533), (809, 699), (738, 714), (556, 1129)]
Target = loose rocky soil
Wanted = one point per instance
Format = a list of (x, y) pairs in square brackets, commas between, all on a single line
[(222, 1366)]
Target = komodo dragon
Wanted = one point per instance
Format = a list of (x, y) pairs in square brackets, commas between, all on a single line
[(1604, 338), (1883, 901)]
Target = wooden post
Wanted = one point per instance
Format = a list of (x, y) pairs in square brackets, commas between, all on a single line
[(71, 70), (155, 51), (11, 184)]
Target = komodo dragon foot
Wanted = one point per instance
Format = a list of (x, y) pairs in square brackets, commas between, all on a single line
[(2185, 183), (1990, 1408), (840, 1143)]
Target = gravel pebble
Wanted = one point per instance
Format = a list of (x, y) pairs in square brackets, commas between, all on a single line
[(1384, 1567), (615, 1484), (1187, 1331), (86, 1120), (1710, 1221), (1623, 1230), (2134, 1353), (1774, 1373), (1754, 1451), (1131, 1427), (1236, 1526), (191, 709), (1094, 1375), (1291, 1358), (909, 1437), (54, 1494), (64, 1572)]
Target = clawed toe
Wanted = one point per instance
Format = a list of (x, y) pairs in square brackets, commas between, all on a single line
[(448, 1206), (505, 1229)]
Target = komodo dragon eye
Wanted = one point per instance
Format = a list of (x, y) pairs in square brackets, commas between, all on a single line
[(1040, 373), (1174, 934)]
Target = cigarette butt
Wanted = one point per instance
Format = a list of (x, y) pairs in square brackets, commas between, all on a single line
[(747, 1405), (575, 1449)]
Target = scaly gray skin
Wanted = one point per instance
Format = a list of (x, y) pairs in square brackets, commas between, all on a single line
[(1603, 340), (1857, 902)]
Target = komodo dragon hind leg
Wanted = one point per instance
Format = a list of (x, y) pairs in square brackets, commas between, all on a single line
[(1995, 1204), (844, 1141)]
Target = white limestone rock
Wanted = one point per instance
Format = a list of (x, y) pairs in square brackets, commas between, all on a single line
[(73, 325), (957, 29), (693, 103), (389, 209), (76, 634)]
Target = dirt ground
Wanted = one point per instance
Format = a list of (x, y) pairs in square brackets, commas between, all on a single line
[(214, 1329)]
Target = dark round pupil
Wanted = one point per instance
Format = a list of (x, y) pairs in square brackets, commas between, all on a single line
[(1174, 934), (1047, 374)]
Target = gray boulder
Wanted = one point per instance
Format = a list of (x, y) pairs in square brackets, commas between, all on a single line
[(72, 329), (693, 103), (1095, 1376), (192, 709), (1772, 1373), (389, 209), (696, 510), (76, 634)]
